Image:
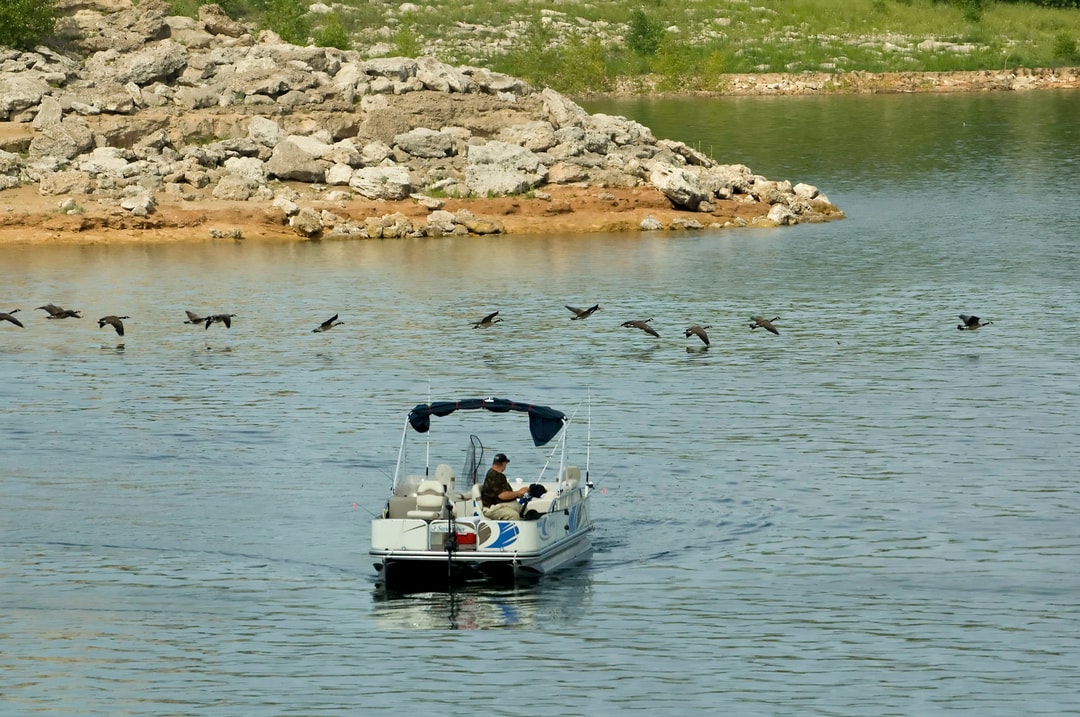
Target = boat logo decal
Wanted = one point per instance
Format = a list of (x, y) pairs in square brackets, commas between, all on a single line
[(508, 533)]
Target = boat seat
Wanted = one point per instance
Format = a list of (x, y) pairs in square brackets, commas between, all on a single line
[(399, 506), (571, 477), (430, 501), (543, 503), (445, 475), (468, 504)]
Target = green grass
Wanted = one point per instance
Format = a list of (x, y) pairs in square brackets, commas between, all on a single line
[(582, 46)]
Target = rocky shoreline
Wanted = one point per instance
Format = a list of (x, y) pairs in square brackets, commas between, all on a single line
[(824, 83), (151, 127), (147, 115)]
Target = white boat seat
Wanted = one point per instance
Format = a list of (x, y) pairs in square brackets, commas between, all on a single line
[(445, 475), (468, 504), (430, 501), (571, 477), (541, 505)]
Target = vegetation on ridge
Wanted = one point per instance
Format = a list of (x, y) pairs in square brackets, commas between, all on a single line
[(579, 46)]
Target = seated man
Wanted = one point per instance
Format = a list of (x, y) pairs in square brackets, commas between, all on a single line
[(500, 501)]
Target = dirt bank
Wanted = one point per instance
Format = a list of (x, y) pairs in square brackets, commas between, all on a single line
[(27, 217)]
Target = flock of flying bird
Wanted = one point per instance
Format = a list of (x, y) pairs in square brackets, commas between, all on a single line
[(117, 322), (695, 330), (969, 323), (756, 322)]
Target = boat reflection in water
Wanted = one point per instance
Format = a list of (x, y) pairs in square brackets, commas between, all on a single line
[(562, 600)]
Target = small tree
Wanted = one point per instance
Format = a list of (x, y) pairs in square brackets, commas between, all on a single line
[(288, 18), (1064, 47), (333, 34), (644, 35), (24, 23)]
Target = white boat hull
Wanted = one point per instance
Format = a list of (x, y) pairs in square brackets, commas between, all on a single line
[(417, 549)]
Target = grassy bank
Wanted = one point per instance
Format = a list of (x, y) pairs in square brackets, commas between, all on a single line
[(581, 46)]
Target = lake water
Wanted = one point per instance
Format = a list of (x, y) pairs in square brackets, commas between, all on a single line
[(870, 514)]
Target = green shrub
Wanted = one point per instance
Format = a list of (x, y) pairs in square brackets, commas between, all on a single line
[(972, 10), (644, 34), (1064, 47), (406, 40), (24, 23), (333, 34), (288, 18)]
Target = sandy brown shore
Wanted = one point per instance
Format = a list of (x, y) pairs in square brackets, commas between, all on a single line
[(26, 217)]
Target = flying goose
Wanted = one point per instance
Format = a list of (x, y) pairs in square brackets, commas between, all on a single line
[(487, 321), (8, 317), (223, 318), (971, 322), (57, 312), (328, 324), (113, 321), (698, 331), (760, 322), (643, 325), (194, 318), (582, 313)]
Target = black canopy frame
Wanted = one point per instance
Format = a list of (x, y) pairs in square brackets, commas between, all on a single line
[(544, 422)]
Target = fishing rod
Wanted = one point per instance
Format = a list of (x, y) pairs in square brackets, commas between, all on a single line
[(588, 439)]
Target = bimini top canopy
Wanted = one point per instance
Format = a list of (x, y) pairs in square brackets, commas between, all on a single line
[(544, 423)]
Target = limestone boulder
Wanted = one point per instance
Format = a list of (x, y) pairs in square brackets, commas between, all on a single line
[(252, 168), (110, 161), (234, 187), (435, 75), (425, 143), (121, 25), (140, 204), (264, 131), (782, 216), (216, 22), (498, 168), (496, 83), (339, 175), (290, 162), (70, 182), (10, 163), (382, 182), (307, 223), (50, 113), (156, 62), (391, 68), (65, 140), (375, 153), (684, 188), (620, 130), (535, 136), (562, 111), (18, 91), (312, 146)]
